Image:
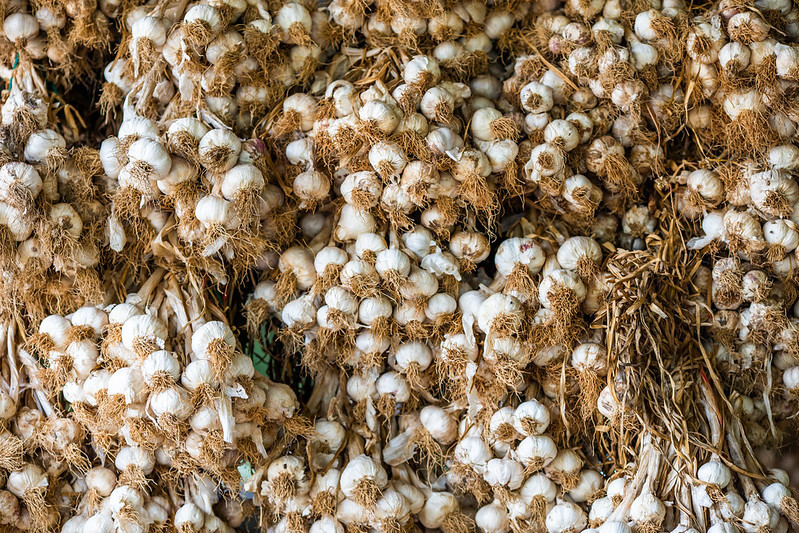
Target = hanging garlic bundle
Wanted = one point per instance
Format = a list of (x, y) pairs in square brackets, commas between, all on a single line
[(542, 275), (232, 58), (744, 315), (376, 306), (160, 394), (391, 151), (53, 210), (743, 68), (349, 305), (196, 198), (67, 41)]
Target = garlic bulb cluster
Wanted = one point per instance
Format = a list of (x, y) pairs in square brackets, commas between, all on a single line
[(535, 262), (751, 211), (52, 213), (740, 317), (193, 196), (406, 154), (231, 58), (389, 320), (713, 498), (510, 482), (754, 331), (157, 395), (63, 41), (744, 70), (397, 154)]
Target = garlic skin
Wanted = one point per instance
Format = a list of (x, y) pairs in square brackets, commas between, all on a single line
[(758, 514), (531, 418), (576, 251), (647, 509), (362, 479), (565, 517), (492, 518), (518, 251)]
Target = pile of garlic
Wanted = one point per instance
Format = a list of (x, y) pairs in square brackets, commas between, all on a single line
[(511, 474), (404, 154), (481, 211), (383, 328), (751, 210), (753, 339), (719, 495), (749, 213)]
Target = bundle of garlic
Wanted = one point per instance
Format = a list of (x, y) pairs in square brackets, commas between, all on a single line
[(53, 213), (391, 154), (667, 491), (716, 359), (229, 59), (753, 332), (148, 393), (749, 214), (66, 42), (742, 66), (510, 316), (493, 482), (192, 198), (388, 161), (383, 326)]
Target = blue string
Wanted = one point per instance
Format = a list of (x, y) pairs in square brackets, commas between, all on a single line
[(16, 62)]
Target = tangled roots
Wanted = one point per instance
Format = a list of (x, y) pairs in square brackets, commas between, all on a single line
[(394, 281), (519, 280), (134, 476), (257, 312), (749, 133), (110, 99), (504, 128), (11, 452), (366, 492), (287, 123), (505, 433), (39, 508), (566, 324), (590, 387), (221, 355), (215, 159), (457, 522), (618, 174), (479, 195), (197, 33), (413, 373), (324, 503), (470, 482), (185, 145), (587, 268), (286, 288), (505, 324), (430, 453), (790, 508)]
